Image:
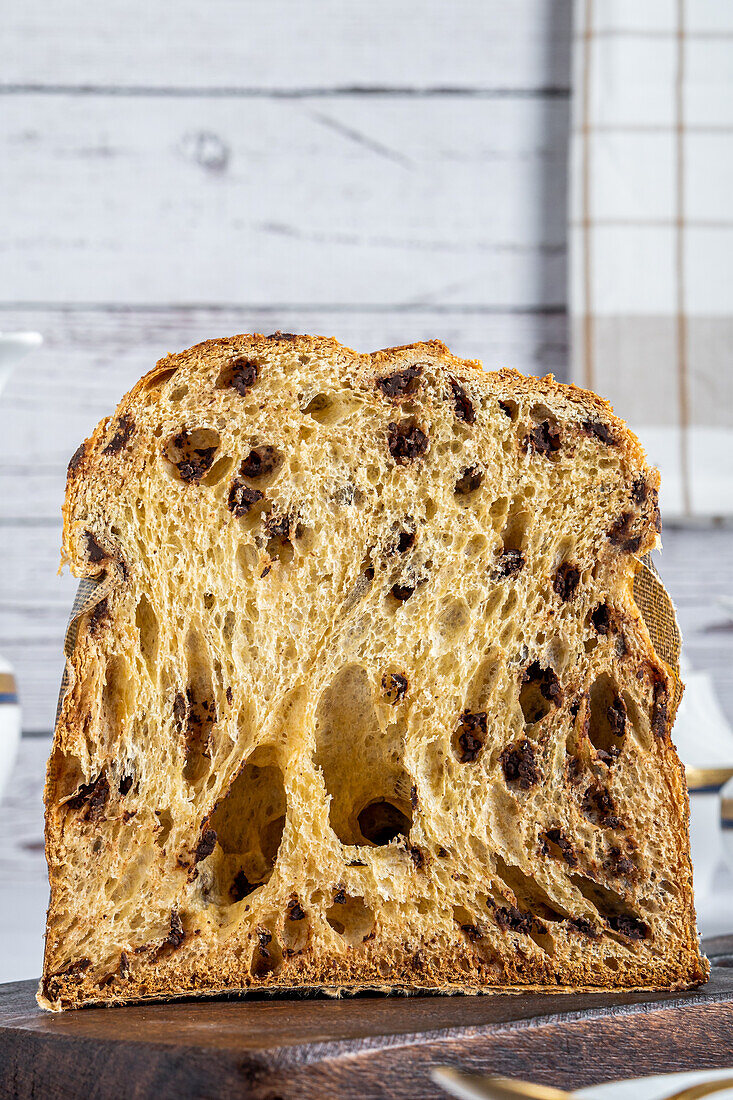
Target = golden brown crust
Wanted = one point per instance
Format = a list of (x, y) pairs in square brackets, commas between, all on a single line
[(586, 886)]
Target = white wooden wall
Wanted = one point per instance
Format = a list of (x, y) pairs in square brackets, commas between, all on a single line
[(381, 172)]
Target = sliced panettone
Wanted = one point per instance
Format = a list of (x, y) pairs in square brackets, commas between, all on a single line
[(362, 696)]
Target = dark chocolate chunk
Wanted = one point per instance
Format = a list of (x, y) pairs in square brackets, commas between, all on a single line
[(94, 552), (413, 796), (405, 541), (406, 442), (469, 481), (639, 490), (402, 592), (566, 580), (241, 375), (509, 917), (584, 926), (601, 432), (598, 807), (339, 898), (290, 337), (546, 680), (124, 966), (394, 687), (630, 927), (544, 439), (76, 459), (98, 614), (179, 709), (601, 618), (241, 498), (472, 932), (509, 563), (92, 798), (519, 765), (554, 836), (619, 864), (260, 462), (470, 735), (462, 403), (205, 846), (229, 696), (278, 527), (620, 533), (177, 934), (403, 383), (125, 784), (295, 910), (125, 428)]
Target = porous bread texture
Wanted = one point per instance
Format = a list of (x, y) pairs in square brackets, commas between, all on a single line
[(369, 701)]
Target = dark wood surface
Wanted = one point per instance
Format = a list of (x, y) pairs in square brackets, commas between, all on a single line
[(362, 1047)]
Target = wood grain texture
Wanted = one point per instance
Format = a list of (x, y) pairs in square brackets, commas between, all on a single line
[(286, 45), (355, 199), (365, 1047)]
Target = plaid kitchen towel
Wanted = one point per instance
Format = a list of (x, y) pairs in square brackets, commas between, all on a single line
[(651, 233)]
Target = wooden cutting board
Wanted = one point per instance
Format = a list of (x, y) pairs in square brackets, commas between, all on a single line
[(365, 1047)]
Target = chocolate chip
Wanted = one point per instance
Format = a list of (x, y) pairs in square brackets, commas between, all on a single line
[(125, 428), (241, 498), (124, 966), (555, 837), (125, 784), (601, 618), (394, 687), (660, 709), (601, 432), (406, 442), (584, 926), (546, 680), (442, 852), (639, 490), (544, 439), (177, 934), (616, 714), (260, 462), (403, 383), (519, 764), (598, 807), (339, 898), (229, 696), (94, 552), (240, 375), (509, 917), (413, 796), (76, 459), (619, 864), (469, 481), (290, 337), (295, 910), (462, 403), (472, 932), (509, 563), (630, 927), (566, 580), (402, 592), (278, 527), (620, 533), (92, 797), (205, 846), (241, 887), (98, 614), (470, 735)]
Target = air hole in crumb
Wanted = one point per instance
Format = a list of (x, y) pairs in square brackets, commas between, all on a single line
[(509, 408), (352, 919), (165, 824), (381, 821), (469, 481), (195, 713), (612, 908), (539, 694), (159, 380), (218, 471), (147, 625), (249, 822), (267, 957), (178, 394), (607, 722)]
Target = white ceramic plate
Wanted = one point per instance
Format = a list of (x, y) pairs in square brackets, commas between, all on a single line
[(656, 1088)]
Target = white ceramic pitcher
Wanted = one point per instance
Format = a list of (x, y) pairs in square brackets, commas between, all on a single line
[(13, 346)]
